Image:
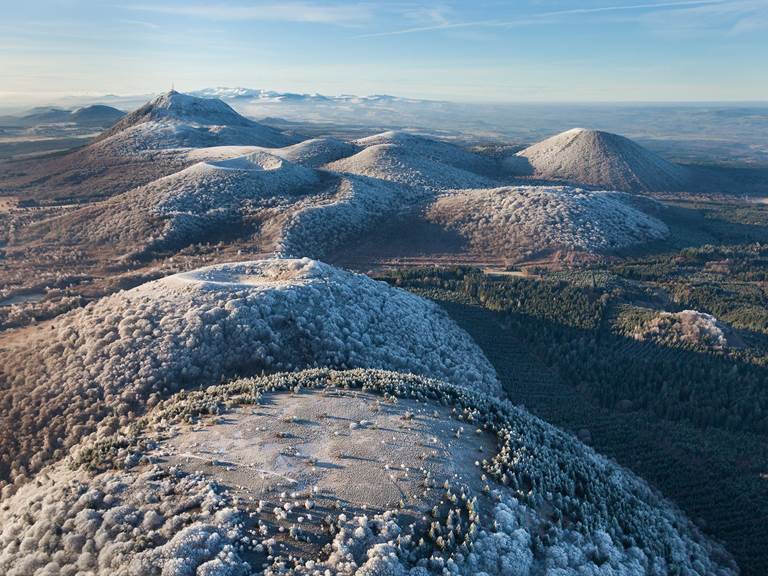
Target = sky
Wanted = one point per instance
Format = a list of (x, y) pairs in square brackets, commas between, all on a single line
[(470, 51)]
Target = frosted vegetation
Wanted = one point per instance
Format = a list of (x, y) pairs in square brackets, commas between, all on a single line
[(502, 220), (413, 160), (299, 211), (316, 151), (311, 197), (547, 503), (600, 159), (688, 328), (122, 353), (313, 152), (360, 203), (186, 207), (96, 475)]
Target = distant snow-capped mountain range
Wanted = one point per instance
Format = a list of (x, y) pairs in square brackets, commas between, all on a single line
[(257, 94)]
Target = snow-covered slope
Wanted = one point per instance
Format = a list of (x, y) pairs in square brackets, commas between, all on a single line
[(503, 220), (313, 152), (316, 227), (355, 472), (175, 120), (316, 151), (211, 186), (149, 143), (414, 160), (301, 212), (175, 106), (190, 206), (600, 159), (120, 353)]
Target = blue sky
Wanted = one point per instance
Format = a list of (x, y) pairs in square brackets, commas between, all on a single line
[(532, 50)]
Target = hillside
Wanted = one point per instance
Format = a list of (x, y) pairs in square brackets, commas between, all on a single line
[(122, 353), (145, 145), (683, 417), (360, 205), (316, 151), (281, 206), (175, 120), (96, 115), (417, 161), (186, 207), (215, 485), (502, 221), (599, 159)]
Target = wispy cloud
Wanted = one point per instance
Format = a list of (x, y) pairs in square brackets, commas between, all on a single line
[(733, 17), (541, 17), (141, 24), (276, 12)]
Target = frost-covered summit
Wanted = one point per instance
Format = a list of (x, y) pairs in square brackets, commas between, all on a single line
[(184, 108), (124, 351), (364, 472), (601, 159), (175, 120)]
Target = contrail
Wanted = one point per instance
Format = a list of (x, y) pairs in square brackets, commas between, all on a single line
[(533, 18)]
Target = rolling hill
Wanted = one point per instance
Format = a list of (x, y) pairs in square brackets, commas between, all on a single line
[(599, 159), (413, 160), (175, 120), (94, 115), (503, 221), (283, 207), (145, 145), (352, 472), (190, 206), (124, 352)]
